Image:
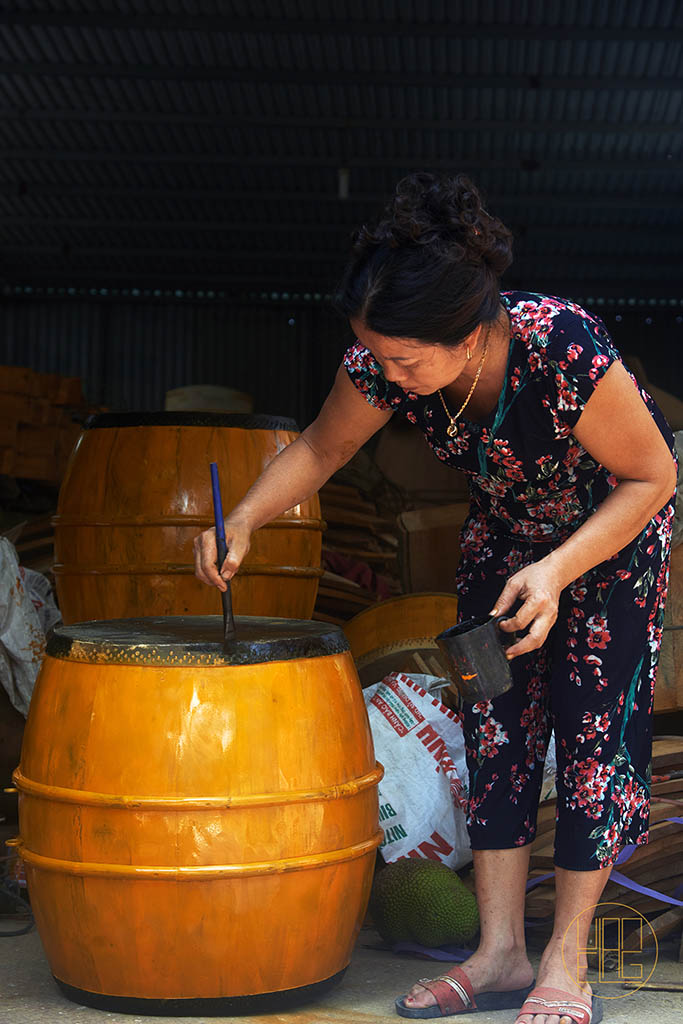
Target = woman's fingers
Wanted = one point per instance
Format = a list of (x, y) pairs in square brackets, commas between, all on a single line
[(508, 596), (534, 639), (535, 587), (534, 605), (232, 562), (205, 556)]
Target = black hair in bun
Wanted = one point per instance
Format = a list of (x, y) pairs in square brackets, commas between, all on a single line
[(430, 268)]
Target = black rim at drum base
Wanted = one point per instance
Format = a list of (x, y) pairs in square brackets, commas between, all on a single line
[(229, 1006)]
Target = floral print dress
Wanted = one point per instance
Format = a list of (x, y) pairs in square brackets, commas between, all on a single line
[(531, 485)]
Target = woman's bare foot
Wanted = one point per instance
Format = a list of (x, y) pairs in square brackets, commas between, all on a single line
[(493, 970)]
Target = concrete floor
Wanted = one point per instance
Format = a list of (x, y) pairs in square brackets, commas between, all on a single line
[(28, 994)]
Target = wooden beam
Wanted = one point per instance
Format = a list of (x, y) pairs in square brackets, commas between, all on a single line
[(97, 278), (230, 119), (240, 254), (392, 28), (562, 282), (238, 227), (656, 81), (525, 162), (186, 254), (671, 232), (670, 200)]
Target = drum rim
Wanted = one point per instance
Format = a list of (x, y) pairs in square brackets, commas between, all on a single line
[(117, 641)]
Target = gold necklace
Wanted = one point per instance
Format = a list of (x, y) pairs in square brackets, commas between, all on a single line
[(452, 429)]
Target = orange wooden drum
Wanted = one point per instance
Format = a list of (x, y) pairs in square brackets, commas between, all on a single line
[(137, 491), (198, 826)]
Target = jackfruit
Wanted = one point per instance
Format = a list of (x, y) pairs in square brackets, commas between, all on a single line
[(423, 901)]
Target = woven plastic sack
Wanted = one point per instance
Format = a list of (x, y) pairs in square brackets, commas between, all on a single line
[(423, 794)]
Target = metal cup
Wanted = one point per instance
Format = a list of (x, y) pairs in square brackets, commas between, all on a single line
[(474, 652)]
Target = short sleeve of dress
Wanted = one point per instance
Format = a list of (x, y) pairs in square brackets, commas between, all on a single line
[(366, 374), (578, 353)]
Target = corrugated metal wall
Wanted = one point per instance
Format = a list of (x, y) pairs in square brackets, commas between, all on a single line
[(130, 354)]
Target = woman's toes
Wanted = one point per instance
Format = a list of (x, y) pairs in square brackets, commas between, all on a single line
[(419, 997), (542, 1018)]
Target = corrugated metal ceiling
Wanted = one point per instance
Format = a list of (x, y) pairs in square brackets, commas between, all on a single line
[(184, 143)]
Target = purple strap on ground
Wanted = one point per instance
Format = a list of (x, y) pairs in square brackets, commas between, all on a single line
[(447, 953), (617, 876), (537, 881)]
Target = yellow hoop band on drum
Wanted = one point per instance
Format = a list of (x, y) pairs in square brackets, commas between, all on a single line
[(168, 569), (282, 523), (87, 799), (201, 872)]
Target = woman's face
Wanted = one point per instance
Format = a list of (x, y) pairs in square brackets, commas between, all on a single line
[(412, 364)]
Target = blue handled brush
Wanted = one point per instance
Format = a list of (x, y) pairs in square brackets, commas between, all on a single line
[(222, 549)]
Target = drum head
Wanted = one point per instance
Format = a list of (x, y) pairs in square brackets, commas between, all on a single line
[(194, 640)]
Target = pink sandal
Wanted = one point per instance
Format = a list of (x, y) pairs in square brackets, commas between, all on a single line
[(564, 1004)]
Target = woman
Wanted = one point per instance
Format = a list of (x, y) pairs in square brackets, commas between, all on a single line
[(571, 476)]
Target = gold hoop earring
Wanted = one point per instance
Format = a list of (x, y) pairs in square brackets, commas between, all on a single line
[(469, 354)]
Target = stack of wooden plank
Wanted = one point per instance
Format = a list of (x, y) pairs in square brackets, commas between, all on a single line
[(34, 540), (339, 599), (669, 686), (358, 533), (658, 865), (39, 425)]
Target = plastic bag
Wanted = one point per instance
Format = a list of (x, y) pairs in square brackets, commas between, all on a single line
[(27, 612), (424, 791)]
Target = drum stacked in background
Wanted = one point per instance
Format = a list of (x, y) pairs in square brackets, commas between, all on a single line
[(136, 493), (398, 635), (198, 824)]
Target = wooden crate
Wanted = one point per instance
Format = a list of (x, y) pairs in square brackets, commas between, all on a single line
[(19, 380), (36, 439), (8, 431), (37, 427), (7, 456), (429, 547)]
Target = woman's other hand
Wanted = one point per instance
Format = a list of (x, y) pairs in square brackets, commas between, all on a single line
[(238, 540), (538, 588)]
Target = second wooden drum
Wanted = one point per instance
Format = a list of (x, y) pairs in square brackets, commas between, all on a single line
[(198, 825), (137, 491)]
